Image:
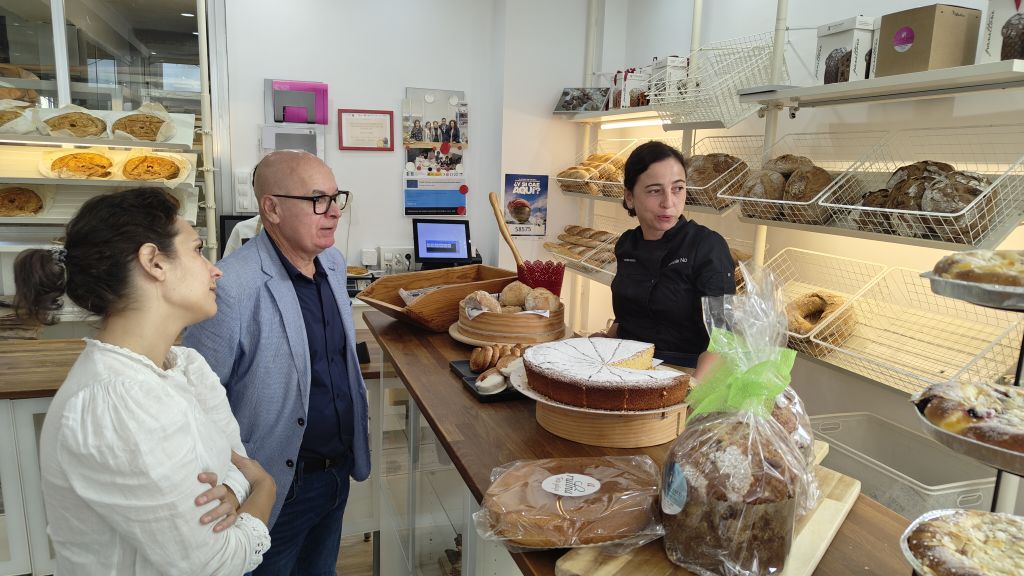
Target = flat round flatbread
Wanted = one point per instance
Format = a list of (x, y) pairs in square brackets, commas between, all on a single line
[(141, 126), (82, 165), (80, 124), (356, 271), (19, 201), (150, 168)]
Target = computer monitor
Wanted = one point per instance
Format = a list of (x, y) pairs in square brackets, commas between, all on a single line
[(441, 243)]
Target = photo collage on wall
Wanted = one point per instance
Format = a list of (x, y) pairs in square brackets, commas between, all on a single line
[(435, 133)]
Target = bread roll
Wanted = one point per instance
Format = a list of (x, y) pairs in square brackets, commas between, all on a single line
[(481, 300), (514, 294), (541, 299)]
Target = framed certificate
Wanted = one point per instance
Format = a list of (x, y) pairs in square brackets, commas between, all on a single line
[(366, 129)]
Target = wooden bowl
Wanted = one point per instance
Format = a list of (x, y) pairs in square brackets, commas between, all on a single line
[(436, 310), (513, 328)]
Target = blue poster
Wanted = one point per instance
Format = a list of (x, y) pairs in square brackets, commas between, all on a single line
[(431, 196), (526, 204)]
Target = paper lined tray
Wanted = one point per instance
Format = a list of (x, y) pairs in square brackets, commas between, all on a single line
[(988, 295), (21, 165)]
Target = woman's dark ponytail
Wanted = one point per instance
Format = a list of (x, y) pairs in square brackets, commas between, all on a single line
[(41, 280)]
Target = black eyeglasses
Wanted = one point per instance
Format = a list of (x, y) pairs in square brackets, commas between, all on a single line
[(321, 202)]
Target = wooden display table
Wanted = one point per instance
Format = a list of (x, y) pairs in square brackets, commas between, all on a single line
[(479, 437)]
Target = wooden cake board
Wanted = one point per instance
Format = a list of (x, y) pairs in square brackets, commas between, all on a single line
[(814, 534), (613, 429)]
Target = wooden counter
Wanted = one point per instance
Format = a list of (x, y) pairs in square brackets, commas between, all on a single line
[(36, 368), (479, 437)]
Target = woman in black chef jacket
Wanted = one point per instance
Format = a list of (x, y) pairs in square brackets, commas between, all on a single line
[(666, 264)]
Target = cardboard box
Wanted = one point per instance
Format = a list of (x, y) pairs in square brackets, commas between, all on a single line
[(842, 48), (927, 38), (630, 89), (876, 35), (1003, 37), (668, 76)]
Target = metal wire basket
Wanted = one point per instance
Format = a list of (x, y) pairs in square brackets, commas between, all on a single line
[(746, 148), (834, 152), (993, 151), (906, 337), (605, 175), (708, 98), (802, 272)]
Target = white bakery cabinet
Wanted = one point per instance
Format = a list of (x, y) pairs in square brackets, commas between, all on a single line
[(28, 425), (14, 551)]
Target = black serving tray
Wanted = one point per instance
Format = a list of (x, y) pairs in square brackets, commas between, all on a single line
[(468, 377)]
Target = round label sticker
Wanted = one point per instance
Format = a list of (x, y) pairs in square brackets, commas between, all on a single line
[(570, 485), (903, 39), (673, 492)]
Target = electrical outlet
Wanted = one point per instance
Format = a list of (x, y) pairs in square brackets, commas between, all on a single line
[(394, 257)]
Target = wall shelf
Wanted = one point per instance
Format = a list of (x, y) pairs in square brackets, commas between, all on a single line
[(929, 84), (994, 238), (20, 165), (624, 114)]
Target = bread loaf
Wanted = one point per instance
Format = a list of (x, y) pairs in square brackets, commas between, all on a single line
[(786, 164), (531, 504), (803, 186), (763, 185)]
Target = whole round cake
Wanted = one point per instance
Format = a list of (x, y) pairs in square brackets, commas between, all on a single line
[(602, 373)]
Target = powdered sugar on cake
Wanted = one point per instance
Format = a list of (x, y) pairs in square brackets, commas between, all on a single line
[(590, 361)]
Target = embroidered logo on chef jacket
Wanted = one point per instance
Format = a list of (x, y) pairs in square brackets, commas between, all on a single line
[(629, 259), (677, 261)]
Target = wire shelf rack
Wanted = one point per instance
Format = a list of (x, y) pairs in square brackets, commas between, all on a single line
[(995, 152), (802, 272), (594, 259), (904, 336), (599, 171), (746, 148), (708, 96), (834, 152)]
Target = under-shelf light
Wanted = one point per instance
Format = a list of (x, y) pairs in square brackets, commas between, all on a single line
[(632, 123)]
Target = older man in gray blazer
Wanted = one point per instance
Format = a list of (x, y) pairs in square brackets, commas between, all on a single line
[(283, 344)]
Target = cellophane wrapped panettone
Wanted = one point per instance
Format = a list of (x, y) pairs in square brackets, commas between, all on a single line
[(609, 501), (735, 481)]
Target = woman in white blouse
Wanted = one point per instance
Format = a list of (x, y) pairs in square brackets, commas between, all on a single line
[(140, 432)]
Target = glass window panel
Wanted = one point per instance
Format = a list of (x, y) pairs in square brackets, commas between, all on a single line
[(123, 53), (26, 52)]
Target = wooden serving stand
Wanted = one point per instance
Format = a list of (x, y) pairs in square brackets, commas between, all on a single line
[(812, 536), (611, 429)]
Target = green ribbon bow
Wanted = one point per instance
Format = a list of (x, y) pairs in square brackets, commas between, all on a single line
[(731, 387)]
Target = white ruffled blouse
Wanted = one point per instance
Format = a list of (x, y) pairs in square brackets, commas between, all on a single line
[(121, 446)]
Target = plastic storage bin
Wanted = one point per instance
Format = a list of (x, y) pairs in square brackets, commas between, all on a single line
[(904, 470)]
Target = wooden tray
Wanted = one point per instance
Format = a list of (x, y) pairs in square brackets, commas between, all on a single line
[(458, 336), (437, 310), (813, 535)]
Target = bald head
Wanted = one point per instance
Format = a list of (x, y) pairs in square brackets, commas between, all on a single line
[(287, 172)]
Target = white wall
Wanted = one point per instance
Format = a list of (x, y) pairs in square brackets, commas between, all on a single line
[(368, 53)]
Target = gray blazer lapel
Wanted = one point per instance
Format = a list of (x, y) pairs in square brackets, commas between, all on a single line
[(283, 291)]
